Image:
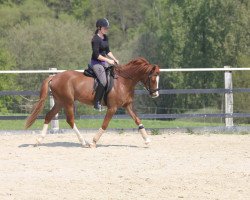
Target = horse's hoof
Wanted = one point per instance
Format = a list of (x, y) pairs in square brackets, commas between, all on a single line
[(92, 145), (147, 141), (38, 142), (85, 145)]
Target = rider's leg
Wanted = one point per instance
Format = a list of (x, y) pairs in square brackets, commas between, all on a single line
[(98, 96), (100, 73)]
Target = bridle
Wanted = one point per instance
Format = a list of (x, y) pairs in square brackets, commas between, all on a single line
[(148, 82)]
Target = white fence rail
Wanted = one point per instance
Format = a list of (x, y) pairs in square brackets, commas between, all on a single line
[(227, 80), (162, 70)]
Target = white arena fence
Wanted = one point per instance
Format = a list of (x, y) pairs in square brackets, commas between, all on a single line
[(227, 91)]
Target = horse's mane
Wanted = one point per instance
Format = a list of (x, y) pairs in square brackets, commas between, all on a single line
[(134, 66)]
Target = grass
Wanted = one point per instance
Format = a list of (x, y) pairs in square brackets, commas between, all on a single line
[(115, 123), (155, 132)]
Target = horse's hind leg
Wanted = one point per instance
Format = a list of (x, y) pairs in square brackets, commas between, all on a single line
[(49, 116), (71, 121)]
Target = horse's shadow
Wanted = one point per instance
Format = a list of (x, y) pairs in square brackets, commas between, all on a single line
[(72, 144), (52, 144)]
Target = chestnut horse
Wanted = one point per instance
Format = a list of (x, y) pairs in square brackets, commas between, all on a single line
[(69, 86)]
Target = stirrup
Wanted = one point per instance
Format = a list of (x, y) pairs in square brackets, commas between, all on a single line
[(98, 107)]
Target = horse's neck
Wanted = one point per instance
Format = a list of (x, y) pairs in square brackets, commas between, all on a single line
[(136, 75)]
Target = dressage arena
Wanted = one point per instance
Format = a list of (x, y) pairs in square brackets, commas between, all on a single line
[(175, 166)]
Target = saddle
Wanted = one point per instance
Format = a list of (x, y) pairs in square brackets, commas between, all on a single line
[(110, 79)]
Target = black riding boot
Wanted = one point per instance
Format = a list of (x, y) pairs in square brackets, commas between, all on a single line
[(98, 97)]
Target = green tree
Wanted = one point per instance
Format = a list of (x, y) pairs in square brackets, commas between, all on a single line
[(7, 81), (125, 16), (216, 37), (49, 43), (173, 34), (241, 80), (59, 6), (210, 33)]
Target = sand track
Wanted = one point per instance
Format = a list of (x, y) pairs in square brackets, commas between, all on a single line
[(175, 166)]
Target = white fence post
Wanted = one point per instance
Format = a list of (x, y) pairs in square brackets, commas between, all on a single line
[(228, 97), (54, 122)]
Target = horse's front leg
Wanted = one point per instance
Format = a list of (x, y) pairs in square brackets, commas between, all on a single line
[(109, 114), (137, 120)]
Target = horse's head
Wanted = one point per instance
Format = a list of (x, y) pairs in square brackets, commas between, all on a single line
[(141, 70), (152, 81)]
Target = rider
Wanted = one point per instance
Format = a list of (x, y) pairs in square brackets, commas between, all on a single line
[(101, 58)]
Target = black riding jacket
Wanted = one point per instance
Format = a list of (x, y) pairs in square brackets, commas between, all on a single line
[(99, 47)]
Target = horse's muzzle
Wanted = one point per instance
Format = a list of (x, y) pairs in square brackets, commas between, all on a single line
[(155, 94)]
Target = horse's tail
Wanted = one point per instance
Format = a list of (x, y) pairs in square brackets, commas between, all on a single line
[(38, 107)]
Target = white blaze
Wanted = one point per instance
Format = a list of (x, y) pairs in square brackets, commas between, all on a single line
[(157, 80), (157, 85)]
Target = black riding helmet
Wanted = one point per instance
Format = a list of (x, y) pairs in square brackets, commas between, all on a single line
[(102, 23)]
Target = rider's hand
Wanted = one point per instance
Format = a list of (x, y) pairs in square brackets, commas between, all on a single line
[(117, 61), (111, 62)]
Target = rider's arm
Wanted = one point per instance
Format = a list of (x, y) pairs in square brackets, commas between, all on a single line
[(110, 54), (102, 58), (95, 47)]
